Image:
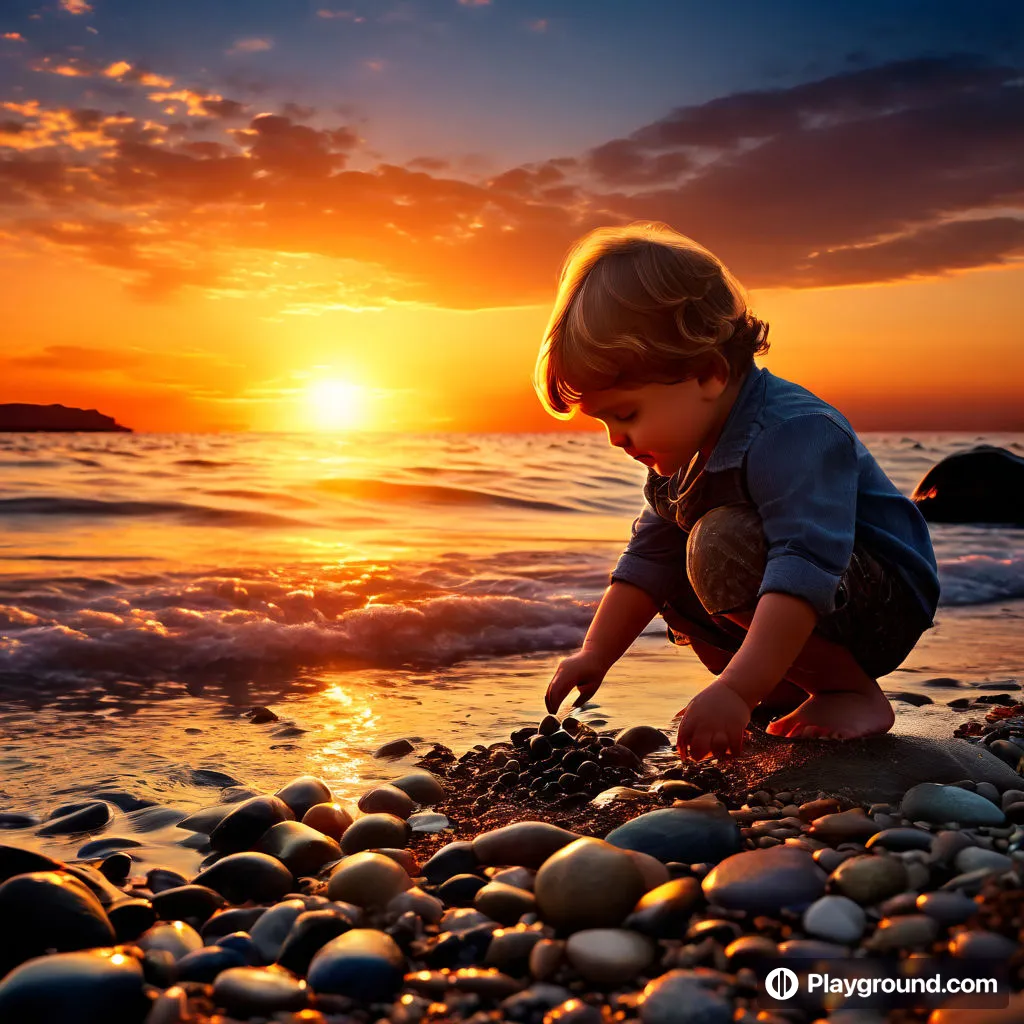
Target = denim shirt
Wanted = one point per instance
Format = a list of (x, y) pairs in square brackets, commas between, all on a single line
[(817, 490)]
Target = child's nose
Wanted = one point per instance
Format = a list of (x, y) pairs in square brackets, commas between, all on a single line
[(618, 438)]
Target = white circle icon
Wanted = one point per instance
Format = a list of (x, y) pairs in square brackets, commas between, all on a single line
[(781, 983)]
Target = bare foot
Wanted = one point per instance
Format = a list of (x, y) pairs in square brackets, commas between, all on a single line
[(837, 715)]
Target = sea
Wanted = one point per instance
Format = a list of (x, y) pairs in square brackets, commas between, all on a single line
[(364, 587)]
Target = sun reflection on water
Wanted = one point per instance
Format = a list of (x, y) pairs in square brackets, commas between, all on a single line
[(339, 760)]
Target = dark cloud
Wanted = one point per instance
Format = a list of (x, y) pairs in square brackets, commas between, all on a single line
[(226, 109)]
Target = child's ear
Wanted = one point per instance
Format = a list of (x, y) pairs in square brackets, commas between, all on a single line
[(714, 376)]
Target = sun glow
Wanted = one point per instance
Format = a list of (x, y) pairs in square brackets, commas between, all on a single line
[(337, 405)]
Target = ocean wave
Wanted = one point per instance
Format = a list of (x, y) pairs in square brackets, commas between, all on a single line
[(202, 515), (389, 490), (981, 579)]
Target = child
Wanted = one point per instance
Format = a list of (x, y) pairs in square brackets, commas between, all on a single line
[(770, 539)]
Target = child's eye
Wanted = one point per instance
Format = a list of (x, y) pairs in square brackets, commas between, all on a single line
[(626, 417)]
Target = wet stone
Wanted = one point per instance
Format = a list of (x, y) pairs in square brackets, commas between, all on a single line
[(524, 844), (194, 903), (906, 932), (252, 991), (642, 739), (248, 876), (901, 839), (301, 849), (387, 800), (764, 881), (103, 985), (835, 918), (394, 748), (664, 911), (683, 997), (116, 868), (422, 786), (176, 937), (243, 825), (88, 817), (363, 964), (205, 964), (311, 931), (948, 908), (454, 859), (609, 957), (10, 820), (504, 903), (870, 878), (130, 918), (237, 919), (975, 858), (693, 832), (929, 801), (374, 830), (330, 819), (367, 880), (270, 931), (982, 945)]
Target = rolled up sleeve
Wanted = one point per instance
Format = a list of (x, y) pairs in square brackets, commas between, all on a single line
[(802, 476), (655, 557)]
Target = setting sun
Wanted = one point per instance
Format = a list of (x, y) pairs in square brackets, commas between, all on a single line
[(337, 405)]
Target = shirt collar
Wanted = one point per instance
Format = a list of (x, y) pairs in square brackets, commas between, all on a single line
[(735, 438)]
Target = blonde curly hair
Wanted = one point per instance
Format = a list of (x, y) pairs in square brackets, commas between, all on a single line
[(641, 304)]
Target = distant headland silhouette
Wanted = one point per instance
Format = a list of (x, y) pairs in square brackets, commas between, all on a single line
[(17, 417)]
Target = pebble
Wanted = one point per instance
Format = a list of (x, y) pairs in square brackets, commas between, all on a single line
[(929, 801), (587, 884), (363, 964), (975, 858), (301, 849), (683, 997), (456, 858), (573, 1011), (303, 793), (521, 878), (870, 878), (899, 839), (460, 890), (48, 910), (272, 928), (387, 799), (248, 876), (422, 786), (374, 830), (99, 985), (835, 918), (428, 821), (367, 880), (205, 964), (428, 908), (256, 991), (764, 881), (504, 903), (330, 819), (10, 820), (245, 822), (898, 933), (948, 908), (394, 748), (642, 739), (193, 903), (609, 957), (690, 832), (524, 844), (86, 817), (844, 827), (310, 931), (511, 948), (982, 945), (175, 937)]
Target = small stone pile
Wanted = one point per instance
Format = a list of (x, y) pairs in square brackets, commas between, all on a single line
[(439, 902)]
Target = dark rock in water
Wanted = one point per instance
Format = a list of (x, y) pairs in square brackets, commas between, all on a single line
[(375, 831), (301, 849), (9, 820), (642, 739), (304, 792), (149, 819), (106, 845), (983, 485), (236, 794), (194, 904), (248, 876), (104, 986), (422, 786), (693, 832), (311, 931), (116, 868), (363, 964), (261, 715), (52, 911), (247, 821), (205, 964), (908, 697), (123, 801), (130, 918), (460, 890), (16, 861), (206, 819), (89, 817), (96, 882), (162, 879), (395, 748), (237, 919), (212, 777), (945, 683)]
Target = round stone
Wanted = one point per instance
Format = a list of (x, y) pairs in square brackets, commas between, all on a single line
[(586, 885), (900, 839), (245, 822), (304, 792), (765, 881), (504, 903), (330, 819), (86, 817), (301, 849), (102, 986), (394, 748), (175, 937), (870, 878), (422, 786), (310, 932), (852, 826), (975, 858), (48, 910), (460, 890), (642, 739), (426, 907), (387, 800), (525, 844), (272, 928), (929, 801), (206, 819), (374, 830), (192, 903), (690, 833), (205, 964), (982, 945), (683, 997), (609, 957), (948, 908), (663, 913), (904, 932), (363, 964), (257, 991), (367, 880), (456, 858), (835, 918), (248, 876)]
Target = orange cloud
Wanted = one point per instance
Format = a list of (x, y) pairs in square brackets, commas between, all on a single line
[(254, 45), (328, 14), (16, 37), (76, 6)]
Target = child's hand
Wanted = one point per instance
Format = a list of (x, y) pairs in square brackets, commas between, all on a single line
[(581, 671), (713, 723)]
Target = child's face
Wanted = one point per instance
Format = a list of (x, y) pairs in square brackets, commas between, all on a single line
[(661, 425)]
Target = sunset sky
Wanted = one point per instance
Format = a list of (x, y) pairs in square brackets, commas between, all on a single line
[(292, 215)]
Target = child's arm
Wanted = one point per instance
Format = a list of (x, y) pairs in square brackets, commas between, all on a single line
[(620, 618), (713, 722)]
